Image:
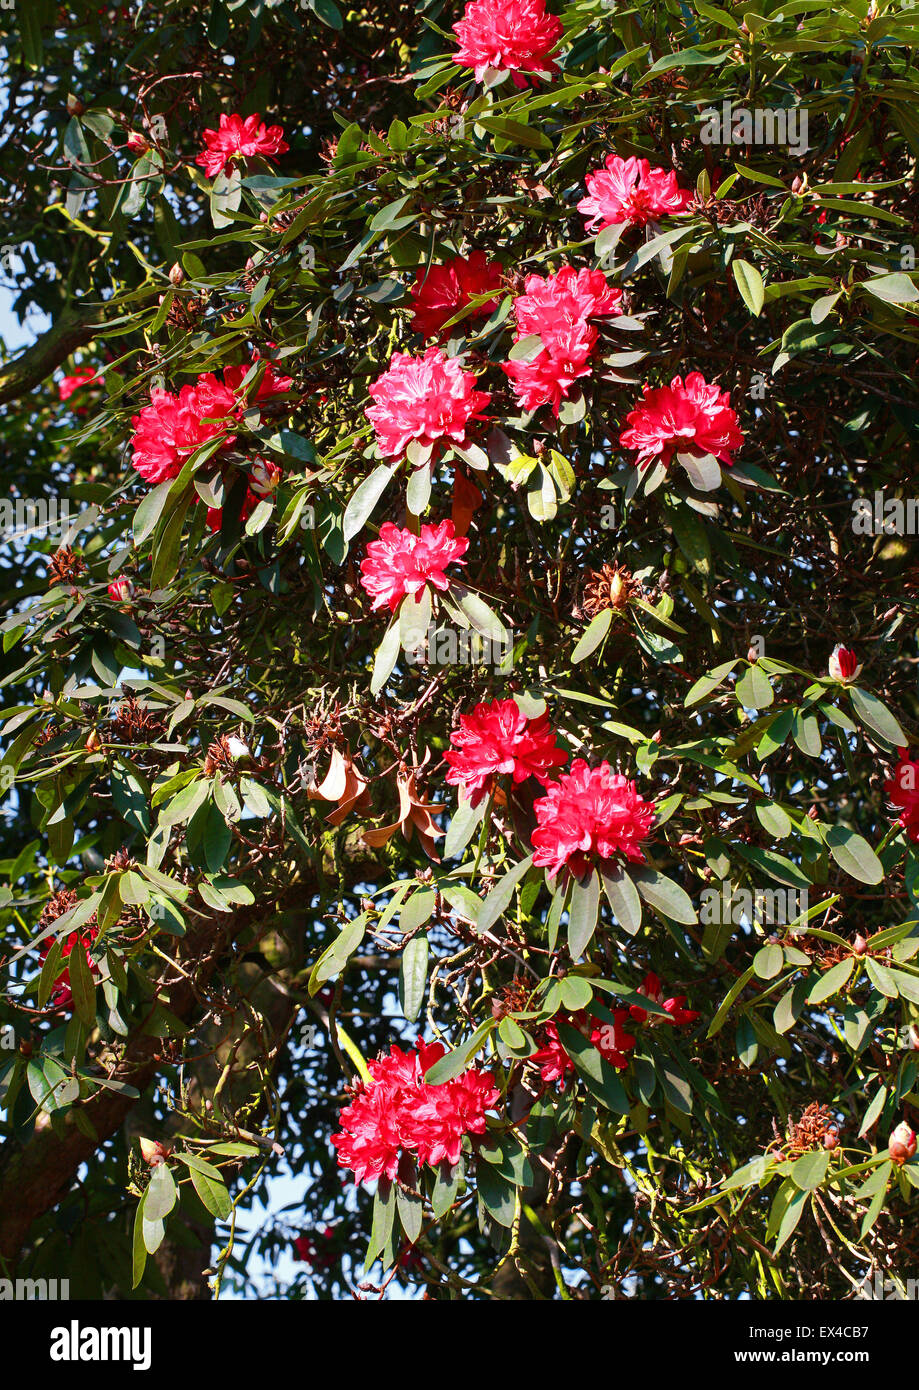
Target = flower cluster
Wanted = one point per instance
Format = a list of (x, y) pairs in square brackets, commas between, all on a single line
[(631, 190), (443, 291), (558, 309), (610, 1039), (694, 417), (652, 989), (398, 1113), (496, 738), (429, 400), (590, 814), (515, 36), (401, 563), (169, 430), (239, 138)]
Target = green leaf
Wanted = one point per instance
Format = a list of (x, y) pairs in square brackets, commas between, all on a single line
[(413, 974), (808, 1171), (365, 499), (583, 907), (832, 982), (385, 658), (161, 1194), (592, 636), (665, 896), (209, 1184), (871, 711), (750, 283), (854, 855), (623, 897), (499, 899)]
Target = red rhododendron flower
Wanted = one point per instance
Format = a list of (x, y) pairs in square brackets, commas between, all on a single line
[(552, 1059), (429, 399), (398, 1112), (612, 1040), (61, 995), (236, 138), (843, 665), (171, 428), (438, 295), (272, 384), (589, 814), (401, 563), (903, 790), (652, 988), (497, 738), (515, 36), (557, 308), (630, 190), (694, 418), (82, 376)]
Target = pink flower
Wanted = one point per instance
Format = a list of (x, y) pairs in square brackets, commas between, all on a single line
[(171, 428), (630, 190), (551, 303), (557, 308), (82, 376), (398, 1112), (843, 665), (401, 563), (903, 790), (652, 989), (429, 399), (589, 814), (444, 290), (694, 418), (239, 139), (498, 738), (121, 589), (515, 36)]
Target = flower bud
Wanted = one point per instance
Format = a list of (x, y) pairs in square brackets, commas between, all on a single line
[(154, 1152), (74, 106), (859, 945), (176, 275), (93, 742), (902, 1143), (137, 143), (831, 1140), (237, 749), (843, 665), (264, 477), (121, 590), (753, 653)]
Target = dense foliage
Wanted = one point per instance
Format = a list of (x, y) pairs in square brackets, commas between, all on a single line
[(483, 614)]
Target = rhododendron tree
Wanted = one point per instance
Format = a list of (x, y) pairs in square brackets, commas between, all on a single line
[(459, 650)]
